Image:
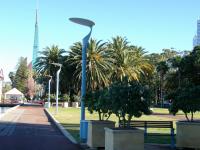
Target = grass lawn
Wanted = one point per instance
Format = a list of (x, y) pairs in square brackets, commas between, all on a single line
[(70, 119), (166, 111)]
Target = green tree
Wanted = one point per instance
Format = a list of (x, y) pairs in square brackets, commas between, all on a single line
[(21, 75), (173, 77), (67, 84), (129, 99), (129, 61), (162, 69), (99, 101), (167, 54), (99, 64), (12, 78), (49, 55), (6, 88), (159, 84), (186, 97), (43, 64), (154, 58)]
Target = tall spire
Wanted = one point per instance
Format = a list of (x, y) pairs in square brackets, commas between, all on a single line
[(36, 17), (36, 40), (36, 11)]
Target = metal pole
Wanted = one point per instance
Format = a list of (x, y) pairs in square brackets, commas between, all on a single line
[(57, 88), (83, 122), (83, 84), (49, 104)]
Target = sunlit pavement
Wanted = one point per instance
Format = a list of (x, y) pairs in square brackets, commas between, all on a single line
[(28, 128)]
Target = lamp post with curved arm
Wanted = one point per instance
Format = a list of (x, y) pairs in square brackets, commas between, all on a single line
[(50, 78), (83, 123), (57, 83)]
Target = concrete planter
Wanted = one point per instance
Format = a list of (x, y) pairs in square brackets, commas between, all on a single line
[(188, 135), (66, 104), (75, 104), (96, 133), (47, 104), (124, 139)]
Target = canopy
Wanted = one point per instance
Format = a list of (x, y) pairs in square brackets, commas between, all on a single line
[(14, 91)]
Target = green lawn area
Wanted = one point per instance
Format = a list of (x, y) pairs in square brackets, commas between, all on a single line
[(166, 111), (70, 119)]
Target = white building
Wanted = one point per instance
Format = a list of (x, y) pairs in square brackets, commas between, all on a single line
[(196, 39)]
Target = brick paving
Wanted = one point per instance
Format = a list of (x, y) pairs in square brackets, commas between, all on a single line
[(28, 128)]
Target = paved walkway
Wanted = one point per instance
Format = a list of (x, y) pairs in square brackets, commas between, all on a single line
[(28, 128)]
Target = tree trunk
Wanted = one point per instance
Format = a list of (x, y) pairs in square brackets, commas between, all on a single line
[(156, 97), (129, 120), (119, 120), (179, 79), (108, 116), (187, 117), (161, 90), (192, 116), (99, 115), (124, 121)]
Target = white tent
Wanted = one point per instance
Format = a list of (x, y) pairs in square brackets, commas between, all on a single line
[(14, 94)]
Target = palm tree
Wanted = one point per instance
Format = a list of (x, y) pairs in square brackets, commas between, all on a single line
[(129, 61), (50, 55), (43, 64), (98, 64)]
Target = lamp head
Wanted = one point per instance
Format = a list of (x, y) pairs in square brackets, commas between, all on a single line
[(84, 22)]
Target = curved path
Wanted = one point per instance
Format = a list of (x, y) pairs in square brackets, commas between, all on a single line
[(28, 128)]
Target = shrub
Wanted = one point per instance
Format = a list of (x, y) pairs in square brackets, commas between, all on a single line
[(65, 98), (99, 101), (74, 98), (52, 98), (129, 99), (186, 99)]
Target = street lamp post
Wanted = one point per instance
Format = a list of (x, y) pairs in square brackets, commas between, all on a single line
[(49, 104), (83, 123), (57, 83)]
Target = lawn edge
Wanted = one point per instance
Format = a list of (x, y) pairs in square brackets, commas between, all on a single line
[(61, 128)]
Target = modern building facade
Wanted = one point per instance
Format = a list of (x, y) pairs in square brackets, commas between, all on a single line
[(196, 39), (36, 41)]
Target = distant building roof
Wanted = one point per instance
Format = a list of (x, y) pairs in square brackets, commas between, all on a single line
[(14, 91)]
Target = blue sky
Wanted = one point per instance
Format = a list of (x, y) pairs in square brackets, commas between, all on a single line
[(152, 24)]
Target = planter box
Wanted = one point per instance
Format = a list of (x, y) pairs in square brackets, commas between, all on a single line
[(188, 135), (47, 104), (96, 132), (75, 104), (65, 104), (124, 139)]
